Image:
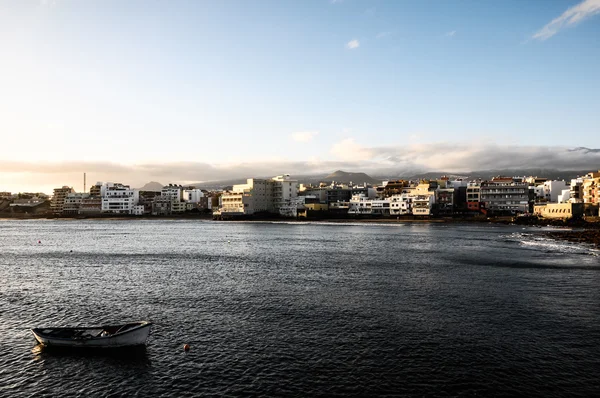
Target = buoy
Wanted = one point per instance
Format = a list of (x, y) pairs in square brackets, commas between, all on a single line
[(228, 241), (186, 347), (39, 241)]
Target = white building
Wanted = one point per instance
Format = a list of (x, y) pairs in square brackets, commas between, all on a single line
[(576, 188), (550, 190), (275, 195), (381, 207), (192, 195), (564, 196), (360, 205), (172, 191), (118, 198), (285, 190), (400, 204)]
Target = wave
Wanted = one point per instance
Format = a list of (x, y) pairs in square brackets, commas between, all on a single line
[(550, 245)]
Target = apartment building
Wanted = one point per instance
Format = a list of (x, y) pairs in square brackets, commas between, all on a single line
[(58, 199), (591, 188), (119, 199), (272, 195), (505, 195), (72, 203)]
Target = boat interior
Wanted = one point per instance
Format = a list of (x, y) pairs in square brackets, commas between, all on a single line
[(86, 333)]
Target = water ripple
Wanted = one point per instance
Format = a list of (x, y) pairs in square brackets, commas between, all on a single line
[(300, 309)]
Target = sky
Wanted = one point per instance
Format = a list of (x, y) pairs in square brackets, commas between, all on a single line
[(189, 91)]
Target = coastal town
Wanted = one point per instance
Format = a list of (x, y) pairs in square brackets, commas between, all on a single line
[(285, 197)]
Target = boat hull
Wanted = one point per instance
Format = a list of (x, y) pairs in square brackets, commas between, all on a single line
[(135, 336)]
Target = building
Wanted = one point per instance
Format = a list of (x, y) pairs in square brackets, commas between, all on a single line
[(72, 203), (381, 207), (319, 192), (182, 199), (338, 193), (91, 205), (576, 194), (591, 188), (146, 199), (161, 206), (235, 204), (96, 190), (400, 204), (390, 188), (178, 206), (29, 206), (314, 210), (503, 195), (276, 195), (359, 205), (422, 205), (119, 199), (473, 196), (446, 200), (192, 195), (559, 210), (339, 208), (549, 191), (58, 199), (174, 192), (285, 190), (565, 196)]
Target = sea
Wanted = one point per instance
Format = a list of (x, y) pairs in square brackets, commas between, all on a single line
[(301, 309)]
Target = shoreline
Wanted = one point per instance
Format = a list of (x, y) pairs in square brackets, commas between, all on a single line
[(586, 236)]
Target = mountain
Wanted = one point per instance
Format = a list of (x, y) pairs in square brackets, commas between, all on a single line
[(413, 175), (345, 178), (551, 174), (152, 186)]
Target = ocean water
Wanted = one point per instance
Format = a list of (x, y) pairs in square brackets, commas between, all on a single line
[(301, 309)]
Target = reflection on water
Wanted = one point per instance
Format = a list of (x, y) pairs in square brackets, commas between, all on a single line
[(137, 354), (300, 309)]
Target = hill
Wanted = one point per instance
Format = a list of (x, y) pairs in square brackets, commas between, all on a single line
[(152, 186), (359, 178), (551, 174), (345, 178)]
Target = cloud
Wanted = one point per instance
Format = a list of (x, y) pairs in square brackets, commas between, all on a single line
[(392, 161), (450, 34), (381, 35), (571, 17), (348, 149), (352, 44), (304, 136), (463, 158)]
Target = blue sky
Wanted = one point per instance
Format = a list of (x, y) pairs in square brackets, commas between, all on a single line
[(305, 84)]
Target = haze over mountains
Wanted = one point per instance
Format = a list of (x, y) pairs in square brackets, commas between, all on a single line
[(409, 162), (344, 177)]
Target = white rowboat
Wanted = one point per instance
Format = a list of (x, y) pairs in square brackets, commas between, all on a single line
[(126, 335)]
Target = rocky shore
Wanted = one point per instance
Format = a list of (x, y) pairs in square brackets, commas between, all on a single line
[(591, 236)]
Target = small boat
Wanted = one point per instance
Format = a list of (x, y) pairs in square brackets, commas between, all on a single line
[(126, 335)]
